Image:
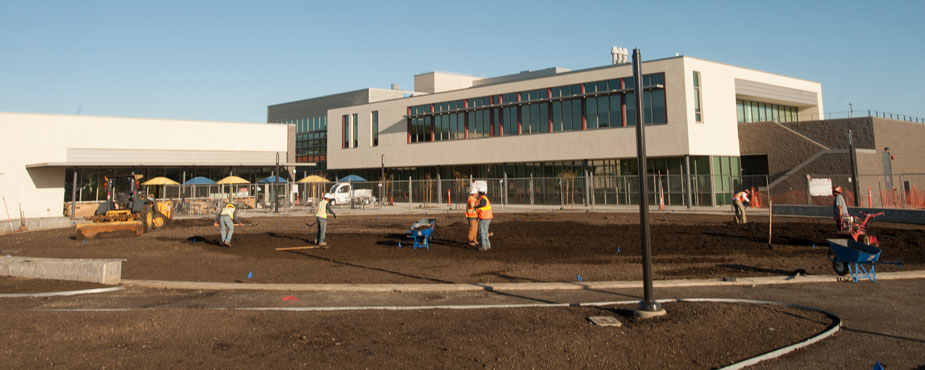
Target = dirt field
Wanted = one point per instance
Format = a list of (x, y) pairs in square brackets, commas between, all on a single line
[(535, 247), (550, 338)]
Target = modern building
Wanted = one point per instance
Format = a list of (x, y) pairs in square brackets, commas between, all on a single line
[(555, 122), (41, 155)]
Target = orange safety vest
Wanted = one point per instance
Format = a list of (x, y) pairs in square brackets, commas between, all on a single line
[(471, 203), (484, 212), (741, 197)]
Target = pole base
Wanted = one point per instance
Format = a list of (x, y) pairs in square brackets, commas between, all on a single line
[(649, 309)]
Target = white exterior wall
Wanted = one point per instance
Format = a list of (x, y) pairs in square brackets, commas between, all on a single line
[(716, 136), (719, 131), (662, 140), (40, 138)]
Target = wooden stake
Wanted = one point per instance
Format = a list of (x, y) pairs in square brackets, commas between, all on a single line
[(7, 214), (298, 248), (770, 221)]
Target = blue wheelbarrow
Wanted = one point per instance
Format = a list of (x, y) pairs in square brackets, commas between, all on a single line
[(856, 258), (421, 232)]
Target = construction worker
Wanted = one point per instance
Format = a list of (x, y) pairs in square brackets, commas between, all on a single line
[(226, 218), (472, 216), (321, 217), (739, 202), (483, 211), (841, 209)]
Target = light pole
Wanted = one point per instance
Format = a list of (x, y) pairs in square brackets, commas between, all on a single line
[(850, 110), (275, 185), (382, 178), (648, 307)]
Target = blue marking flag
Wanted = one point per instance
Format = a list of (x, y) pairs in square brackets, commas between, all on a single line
[(877, 366), (579, 277), (250, 275)]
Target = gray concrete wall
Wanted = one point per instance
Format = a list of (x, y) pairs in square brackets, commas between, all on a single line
[(34, 224), (108, 271), (833, 133), (906, 216)]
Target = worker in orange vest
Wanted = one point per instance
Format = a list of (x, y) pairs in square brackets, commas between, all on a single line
[(483, 210), (472, 216), (739, 201)]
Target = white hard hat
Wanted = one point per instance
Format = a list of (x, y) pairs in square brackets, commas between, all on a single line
[(328, 196), (483, 189), (473, 189)]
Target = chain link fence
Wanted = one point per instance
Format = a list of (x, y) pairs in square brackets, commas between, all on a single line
[(567, 192)]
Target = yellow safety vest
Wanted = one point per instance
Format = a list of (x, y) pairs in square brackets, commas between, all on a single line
[(228, 211), (470, 206), (485, 212), (322, 209)]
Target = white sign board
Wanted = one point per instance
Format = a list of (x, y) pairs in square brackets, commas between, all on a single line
[(480, 184), (820, 187), (242, 192)]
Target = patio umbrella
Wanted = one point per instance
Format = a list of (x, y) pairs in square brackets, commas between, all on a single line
[(353, 178), (199, 180), (232, 180), (160, 181), (272, 179), (312, 179)]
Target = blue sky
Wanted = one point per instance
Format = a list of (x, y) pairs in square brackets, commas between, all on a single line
[(228, 60)]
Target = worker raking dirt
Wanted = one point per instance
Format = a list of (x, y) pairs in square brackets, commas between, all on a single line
[(321, 217)]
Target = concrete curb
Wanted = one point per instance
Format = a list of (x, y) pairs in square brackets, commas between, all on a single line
[(63, 293), (507, 287), (103, 271)]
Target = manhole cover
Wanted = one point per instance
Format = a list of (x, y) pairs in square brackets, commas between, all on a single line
[(605, 321)]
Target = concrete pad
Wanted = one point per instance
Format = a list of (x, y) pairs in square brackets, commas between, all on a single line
[(511, 287), (103, 271)]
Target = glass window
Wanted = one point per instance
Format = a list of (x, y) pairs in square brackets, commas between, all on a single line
[(616, 115), (698, 109), (629, 102), (591, 112), (496, 122), (427, 130), (576, 114), (740, 111), (544, 117), (355, 130), (445, 127), (535, 121), (603, 112), (658, 107), (566, 115), (345, 141), (453, 128), (526, 119), (556, 116), (375, 127)]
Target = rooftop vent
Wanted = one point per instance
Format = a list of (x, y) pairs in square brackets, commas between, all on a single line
[(620, 55), (395, 87)]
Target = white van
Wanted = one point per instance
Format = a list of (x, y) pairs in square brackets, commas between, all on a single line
[(341, 194)]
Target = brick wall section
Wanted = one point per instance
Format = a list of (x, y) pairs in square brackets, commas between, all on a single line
[(785, 150), (906, 141), (833, 133)]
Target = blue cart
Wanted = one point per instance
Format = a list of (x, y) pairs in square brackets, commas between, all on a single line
[(849, 256), (422, 231)]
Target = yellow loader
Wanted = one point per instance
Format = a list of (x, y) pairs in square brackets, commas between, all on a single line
[(133, 211)]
